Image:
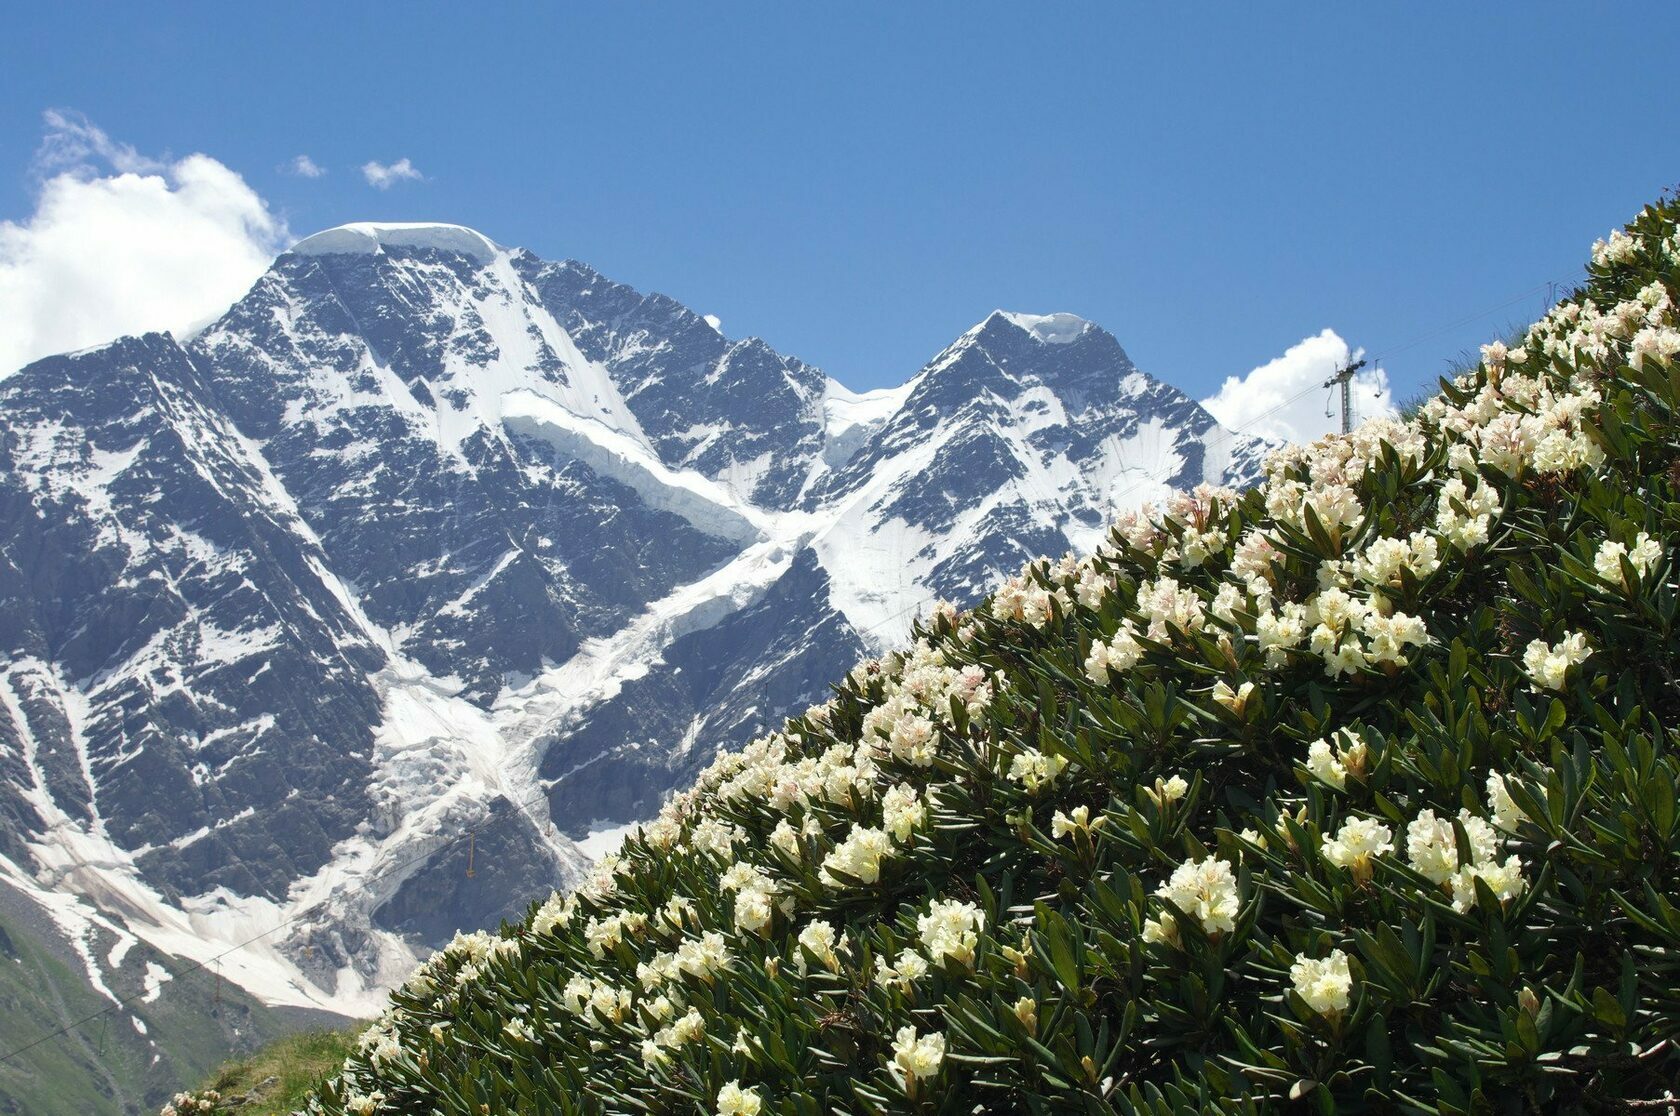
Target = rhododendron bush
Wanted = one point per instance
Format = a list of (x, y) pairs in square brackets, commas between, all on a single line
[(1355, 790)]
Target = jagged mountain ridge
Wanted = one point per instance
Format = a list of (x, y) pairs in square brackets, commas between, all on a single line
[(426, 534)]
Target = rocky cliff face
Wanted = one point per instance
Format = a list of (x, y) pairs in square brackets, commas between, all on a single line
[(428, 537)]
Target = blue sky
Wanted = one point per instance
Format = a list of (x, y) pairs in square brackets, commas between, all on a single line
[(858, 183)]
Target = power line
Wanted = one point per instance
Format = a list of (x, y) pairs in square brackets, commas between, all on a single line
[(1548, 285)]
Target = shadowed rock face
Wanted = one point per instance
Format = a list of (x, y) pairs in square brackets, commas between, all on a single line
[(425, 537)]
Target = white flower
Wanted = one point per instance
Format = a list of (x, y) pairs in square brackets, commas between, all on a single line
[(1644, 555), (518, 1030), (1034, 770), (1382, 562), (785, 838), (821, 940), (1226, 601), (703, 956), (690, 1028), (902, 811), (902, 973), (1255, 556), (1023, 599), (1325, 985), (716, 837), (1620, 248), (732, 1100), (1166, 606), (754, 908), (1280, 631), (1389, 636), (858, 856), (1505, 880), (951, 930), (1165, 792), (1507, 815), (1653, 344), (548, 918), (1356, 843), (1092, 588), (1066, 824), (1235, 700), (1205, 890), (1548, 664), (1432, 847), (1463, 516), (1163, 930), (914, 739), (1332, 764), (916, 1058), (1119, 654)]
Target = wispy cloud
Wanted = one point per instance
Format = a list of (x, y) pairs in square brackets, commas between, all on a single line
[(382, 176), (73, 144), (120, 242), (1285, 398), (305, 167)]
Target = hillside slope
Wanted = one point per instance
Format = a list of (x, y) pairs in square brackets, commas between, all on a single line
[(1357, 788), (74, 1053)]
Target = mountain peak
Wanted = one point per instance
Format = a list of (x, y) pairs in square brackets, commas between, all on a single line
[(371, 238), (1050, 329)]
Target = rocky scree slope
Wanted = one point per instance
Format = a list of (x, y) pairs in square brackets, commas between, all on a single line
[(1355, 790)]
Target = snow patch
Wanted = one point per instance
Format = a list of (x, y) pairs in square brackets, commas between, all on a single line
[(706, 504), (1051, 329), (371, 238), (606, 841)]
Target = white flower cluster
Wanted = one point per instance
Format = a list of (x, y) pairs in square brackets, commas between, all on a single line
[(1464, 514), (1432, 849), (916, 1057), (1326, 985), (1644, 325), (1357, 844), (824, 943), (857, 859), (733, 1100), (1119, 653), (1548, 664), (1642, 556), (1332, 762), (1025, 599), (950, 931), (185, 1104), (1206, 890), (1034, 770)]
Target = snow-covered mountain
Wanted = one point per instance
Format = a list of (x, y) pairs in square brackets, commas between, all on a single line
[(427, 536)]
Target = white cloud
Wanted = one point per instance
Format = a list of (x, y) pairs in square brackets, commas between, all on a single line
[(122, 243), (305, 167), (1286, 398), (382, 176)]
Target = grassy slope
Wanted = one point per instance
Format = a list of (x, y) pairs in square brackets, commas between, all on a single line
[(108, 1065), (277, 1078)]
